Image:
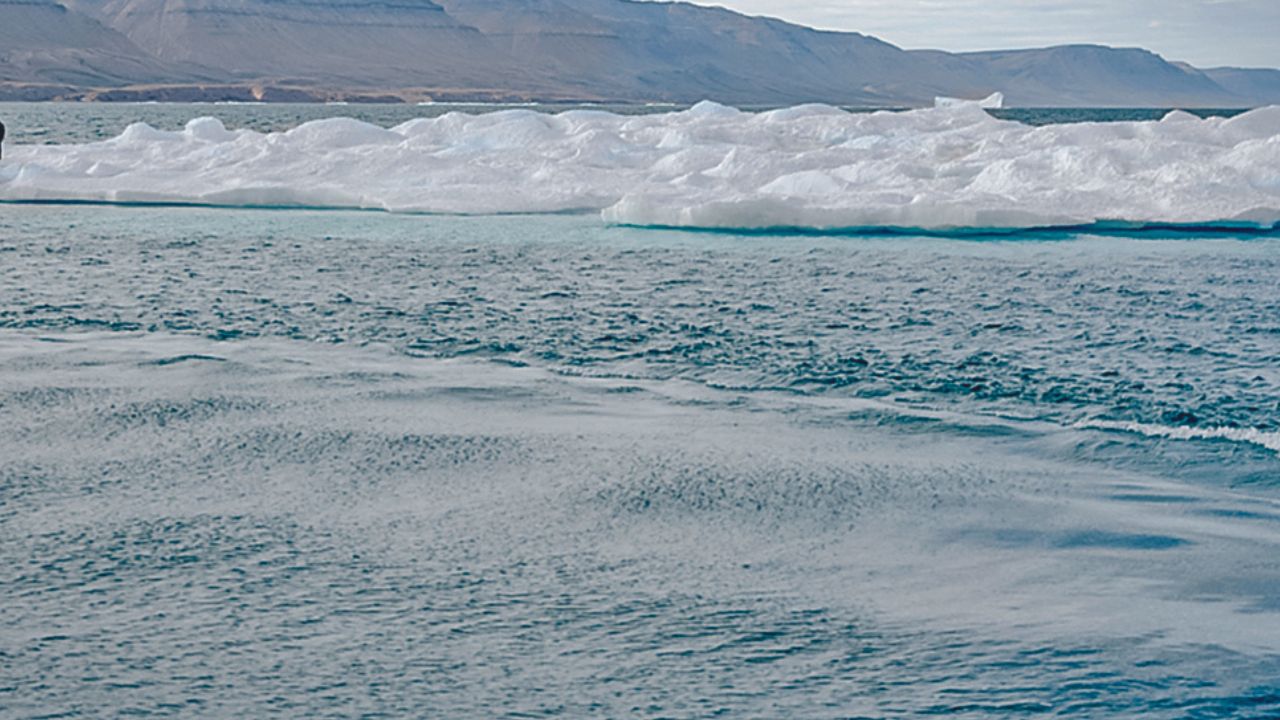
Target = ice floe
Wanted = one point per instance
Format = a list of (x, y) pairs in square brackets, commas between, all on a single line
[(711, 166)]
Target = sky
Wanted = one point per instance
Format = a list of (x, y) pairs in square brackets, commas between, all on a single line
[(1206, 33)]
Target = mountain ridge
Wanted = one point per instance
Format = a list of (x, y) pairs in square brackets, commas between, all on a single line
[(549, 50)]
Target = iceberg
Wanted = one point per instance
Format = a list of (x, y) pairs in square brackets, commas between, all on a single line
[(714, 167), (994, 101)]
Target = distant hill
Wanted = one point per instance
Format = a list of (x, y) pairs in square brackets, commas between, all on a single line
[(1245, 82), (607, 50), (1099, 76), (43, 43)]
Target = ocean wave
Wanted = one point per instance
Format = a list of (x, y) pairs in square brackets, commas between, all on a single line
[(713, 167), (1267, 439)]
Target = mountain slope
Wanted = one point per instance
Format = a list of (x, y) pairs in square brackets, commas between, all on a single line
[(563, 49), (1261, 85), (44, 42), (673, 51), (375, 43), (1098, 76)]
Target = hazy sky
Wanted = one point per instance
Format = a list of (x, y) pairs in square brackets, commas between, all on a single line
[(1203, 32)]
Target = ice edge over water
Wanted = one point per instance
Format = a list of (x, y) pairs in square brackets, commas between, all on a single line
[(950, 168)]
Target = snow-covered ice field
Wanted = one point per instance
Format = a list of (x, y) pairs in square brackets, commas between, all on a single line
[(813, 167)]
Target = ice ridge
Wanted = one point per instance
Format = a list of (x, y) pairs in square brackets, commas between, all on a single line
[(711, 166)]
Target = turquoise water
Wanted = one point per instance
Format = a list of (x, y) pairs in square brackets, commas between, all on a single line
[(343, 464)]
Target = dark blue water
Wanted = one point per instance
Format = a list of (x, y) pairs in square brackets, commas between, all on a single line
[(332, 464), (1180, 333)]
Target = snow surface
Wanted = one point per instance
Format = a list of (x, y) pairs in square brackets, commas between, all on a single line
[(812, 166)]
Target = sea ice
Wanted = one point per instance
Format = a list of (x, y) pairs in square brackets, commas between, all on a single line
[(813, 166), (993, 101)]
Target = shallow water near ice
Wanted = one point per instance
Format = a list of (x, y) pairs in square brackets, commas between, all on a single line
[(329, 464)]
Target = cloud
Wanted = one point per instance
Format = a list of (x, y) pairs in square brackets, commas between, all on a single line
[(1204, 32)]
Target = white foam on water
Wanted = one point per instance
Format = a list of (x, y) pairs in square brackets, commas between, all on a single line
[(1269, 440), (812, 166)]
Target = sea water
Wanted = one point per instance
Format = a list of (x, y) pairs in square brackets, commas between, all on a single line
[(338, 463)]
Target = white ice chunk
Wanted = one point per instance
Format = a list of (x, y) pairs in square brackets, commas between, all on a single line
[(994, 101), (812, 166)]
